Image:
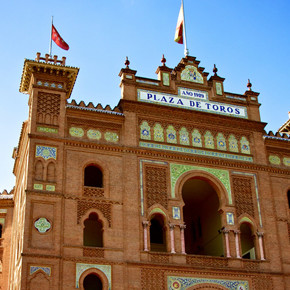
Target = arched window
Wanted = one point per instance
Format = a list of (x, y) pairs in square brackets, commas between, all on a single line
[(51, 172), (38, 170), (247, 241), (157, 234), (1, 227), (93, 231), (93, 176), (92, 282), (202, 219), (288, 196)]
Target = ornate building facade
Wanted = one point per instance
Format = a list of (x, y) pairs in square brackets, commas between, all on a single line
[(177, 187)]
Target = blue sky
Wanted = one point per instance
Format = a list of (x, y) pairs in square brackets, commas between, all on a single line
[(245, 39)]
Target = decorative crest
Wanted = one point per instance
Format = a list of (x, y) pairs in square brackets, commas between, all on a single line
[(249, 85), (163, 60), (127, 62), (215, 70)]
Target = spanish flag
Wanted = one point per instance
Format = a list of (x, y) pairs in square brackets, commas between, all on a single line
[(180, 26)]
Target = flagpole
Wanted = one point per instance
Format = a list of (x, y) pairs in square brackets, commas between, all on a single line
[(50, 44), (186, 52)]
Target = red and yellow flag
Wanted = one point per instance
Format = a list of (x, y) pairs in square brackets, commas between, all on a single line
[(55, 36), (180, 26)]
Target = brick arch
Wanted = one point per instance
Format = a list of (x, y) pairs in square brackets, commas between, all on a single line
[(208, 177), (101, 217), (38, 281), (96, 272)]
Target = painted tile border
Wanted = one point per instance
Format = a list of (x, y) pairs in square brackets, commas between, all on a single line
[(183, 283), (46, 270), (141, 180), (196, 151), (257, 192), (81, 268), (176, 170)]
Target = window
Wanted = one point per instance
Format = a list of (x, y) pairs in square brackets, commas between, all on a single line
[(202, 219), (247, 241), (92, 282), (93, 231), (1, 227), (93, 176), (157, 234), (288, 196)]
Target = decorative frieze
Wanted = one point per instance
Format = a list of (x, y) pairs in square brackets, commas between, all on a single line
[(46, 152)]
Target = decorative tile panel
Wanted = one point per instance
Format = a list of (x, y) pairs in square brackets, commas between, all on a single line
[(208, 140), (183, 136), (94, 134), (196, 151), (171, 134), (166, 81), (47, 130), (233, 143), (76, 132), (50, 187), (158, 133), (42, 225), (111, 137), (44, 269), (183, 283), (245, 145), (38, 186), (230, 218), (221, 142), (196, 138), (45, 152), (274, 159), (286, 161), (145, 131), (176, 212), (219, 90), (191, 74), (81, 268), (176, 170)]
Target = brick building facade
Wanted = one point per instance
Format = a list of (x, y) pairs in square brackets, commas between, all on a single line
[(177, 187)]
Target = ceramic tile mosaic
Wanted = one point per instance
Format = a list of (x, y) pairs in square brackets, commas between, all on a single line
[(256, 190), (286, 161), (196, 138), (221, 142), (42, 225), (145, 131), (230, 218), (47, 130), (45, 152), (44, 269), (245, 145), (183, 136), (274, 159), (50, 187), (81, 268), (183, 283), (176, 212), (38, 186), (191, 74), (94, 134), (111, 137), (208, 140), (233, 144), (158, 133), (141, 179), (171, 135), (76, 132), (196, 151), (166, 78), (219, 90), (176, 170)]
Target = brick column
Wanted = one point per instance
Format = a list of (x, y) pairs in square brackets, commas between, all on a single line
[(145, 225), (226, 233), (260, 237), (172, 243), (182, 227), (237, 242)]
